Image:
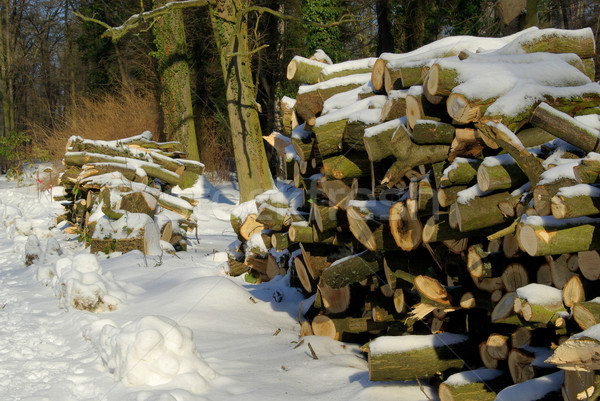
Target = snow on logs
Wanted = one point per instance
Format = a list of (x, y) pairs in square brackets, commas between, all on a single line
[(117, 193), (453, 192)]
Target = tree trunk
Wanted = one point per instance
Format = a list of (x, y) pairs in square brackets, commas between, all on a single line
[(230, 31), (176, 95)]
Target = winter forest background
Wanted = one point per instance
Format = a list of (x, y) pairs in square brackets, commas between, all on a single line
[(59, 77)]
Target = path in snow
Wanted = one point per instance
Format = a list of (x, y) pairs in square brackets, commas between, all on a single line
[(38, 358)]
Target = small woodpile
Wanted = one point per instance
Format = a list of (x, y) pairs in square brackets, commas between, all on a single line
[(444, 209), (117, 193)]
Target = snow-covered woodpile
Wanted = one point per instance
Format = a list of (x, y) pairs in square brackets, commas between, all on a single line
[(445, 211), (117, 194)]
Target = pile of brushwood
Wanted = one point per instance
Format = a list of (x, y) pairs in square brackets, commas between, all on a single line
[(444, 211), (117, 194)]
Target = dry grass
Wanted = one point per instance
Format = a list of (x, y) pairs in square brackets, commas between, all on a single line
[(216, 151), (114, 116), (129, 113)]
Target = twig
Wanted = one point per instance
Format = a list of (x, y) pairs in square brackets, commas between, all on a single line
[(312, 351), (422, 389)]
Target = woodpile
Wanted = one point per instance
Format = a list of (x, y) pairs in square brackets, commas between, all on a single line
[(444, 211), (117, 194)]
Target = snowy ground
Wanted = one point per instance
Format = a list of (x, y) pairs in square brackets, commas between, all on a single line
[(181, 328)]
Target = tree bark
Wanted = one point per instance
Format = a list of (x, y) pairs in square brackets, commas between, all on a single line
[(176, 95), (231, 34)]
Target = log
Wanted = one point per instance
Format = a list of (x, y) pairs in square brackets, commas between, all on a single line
[(543, 194), (589, 264), (347, 166), (448, 195), (462, 171), (580, 385), (587, 172), (372, 234), (539, 236), (344, 329), (329, 136), (578, 354), (573, 292), (500, 172), (481, 212), (502, 136), (138, 202), (407, 232), (441, 352), (352, 269), (576, 201), (335, 300), (314, 260), (304, 70), (586, 314), (565, 127), (498, 346), (559, 270), (395, 106), (377, 75), (419, 108), (519, 365), (486, 359), (377, 139), (343, 69), (410, 155), (432, 291), (514, 276), (481, 263), (427, 132), (250, 227), (308, 283), (520, 337)]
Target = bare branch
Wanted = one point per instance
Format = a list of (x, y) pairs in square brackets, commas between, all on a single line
[(346, 18), (135, 20)]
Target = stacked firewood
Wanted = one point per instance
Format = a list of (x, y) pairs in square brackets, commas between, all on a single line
[(447, 195), (117, 194)]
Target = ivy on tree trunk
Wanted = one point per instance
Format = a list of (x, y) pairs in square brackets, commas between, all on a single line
[(176, 97)]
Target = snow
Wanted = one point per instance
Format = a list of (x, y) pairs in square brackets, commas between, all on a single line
[(509, 136), (578, 123), (551, 222), (353, 108), (398, 344), (321, 55), (520, 43), (369, 116), (467, 195), (500, 160), (379, 208), (533, 389), (354, 79), (451, 45), (213, 333), (528, 93), (349, 65), (489, 79), (152, 350), (592, 332), (455, 164), (563, 170), (472, 376), (579, 190), (289, 102), (540, 294), (590, 120), (379, 128)]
